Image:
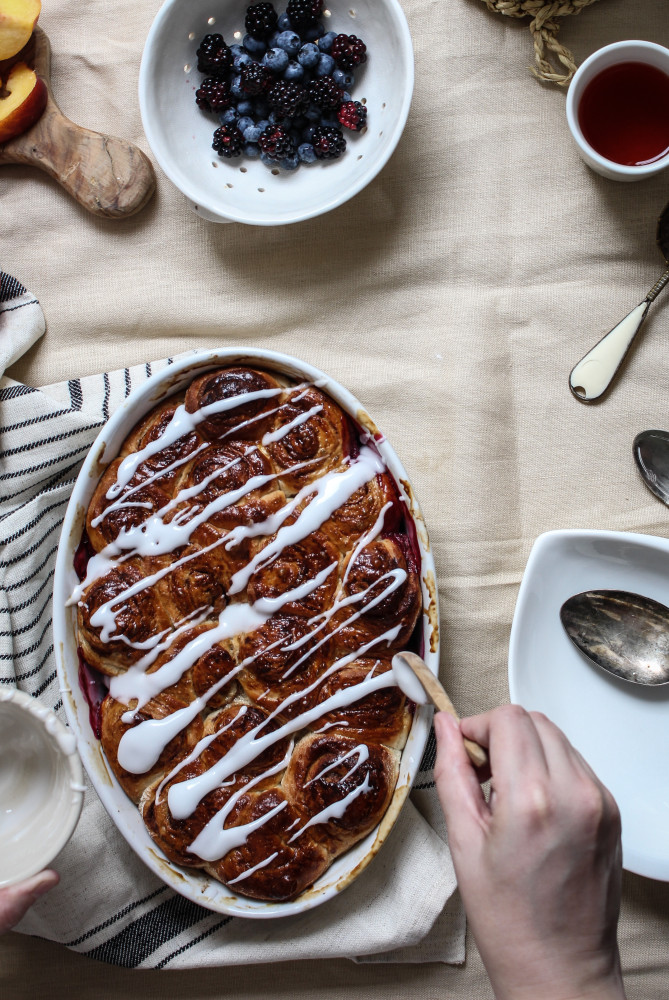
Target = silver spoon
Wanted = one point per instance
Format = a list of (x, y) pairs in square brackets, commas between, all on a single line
[(593, 375), (626, 634), (651, 454)]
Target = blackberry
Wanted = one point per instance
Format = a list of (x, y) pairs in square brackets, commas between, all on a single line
[(325, 93), (213, 94), (304, 13), (275, 142), (261, 20), (288, 99), (328, 142), (348, 51), (256, 79), (214, 56), (228, 141), (353, 115)]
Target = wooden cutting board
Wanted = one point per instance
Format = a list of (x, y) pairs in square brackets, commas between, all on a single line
[(109, 177)]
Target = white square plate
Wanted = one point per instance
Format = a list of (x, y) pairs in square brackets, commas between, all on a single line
[(622, 729)]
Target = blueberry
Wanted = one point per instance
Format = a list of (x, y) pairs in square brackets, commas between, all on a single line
[(308, 133), (228, 117), (346, 97), (260, 108), (276, 60), (325, 66), (236, 87), (313, 113), (313, 34), (284, 23), (293, 71), (308, 55), (241, 60), (290, 162), (343, 79), (306, 153), (254, 45), (236, 50), (269, 161), (251, 133), (329, 123), (245, 123), (252, 150), (262, 124), (271, 41), (289, 42), (326, 40), (245, 107)]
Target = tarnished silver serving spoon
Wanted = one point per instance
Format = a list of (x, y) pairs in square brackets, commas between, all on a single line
[(593, 375), (626, 634), (651, 454)]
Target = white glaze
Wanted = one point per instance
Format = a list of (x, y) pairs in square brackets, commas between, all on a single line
[(407, 681), (334, 811)]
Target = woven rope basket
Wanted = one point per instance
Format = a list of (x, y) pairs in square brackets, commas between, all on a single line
[(545, 26)]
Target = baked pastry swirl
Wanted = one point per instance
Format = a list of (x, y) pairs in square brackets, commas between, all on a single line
[(247, 573)]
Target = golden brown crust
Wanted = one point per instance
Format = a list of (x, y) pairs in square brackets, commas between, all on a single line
[(222, 488)]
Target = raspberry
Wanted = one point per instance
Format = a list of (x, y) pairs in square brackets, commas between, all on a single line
[(288, 99), (348, 51), (256, 79), (325, 94), (304, 13), (353, 115), (276, 143), (328, 142), (228, 141), (213, 94), (261, 20), (214, 56)]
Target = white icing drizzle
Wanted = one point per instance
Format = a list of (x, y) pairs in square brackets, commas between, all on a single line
[(250, 871), (181, 424), (361, 753), (214, 841), (328, 493), (334, 811), (183, 798), (271, 436), (195, 753)]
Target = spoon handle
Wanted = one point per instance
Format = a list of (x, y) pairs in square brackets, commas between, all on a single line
[(592, 376), (435, 692)]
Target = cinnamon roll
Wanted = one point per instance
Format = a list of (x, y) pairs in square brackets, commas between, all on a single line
[(246, 573)]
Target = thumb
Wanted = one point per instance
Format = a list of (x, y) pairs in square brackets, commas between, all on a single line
[(16, 900), (457, 784)]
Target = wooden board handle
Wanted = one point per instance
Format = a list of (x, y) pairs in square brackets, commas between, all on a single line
[(110, 177)]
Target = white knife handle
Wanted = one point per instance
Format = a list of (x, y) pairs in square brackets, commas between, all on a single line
[(592, 376)]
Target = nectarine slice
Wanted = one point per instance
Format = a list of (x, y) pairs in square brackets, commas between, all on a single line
[(17, 20), (24, 104)]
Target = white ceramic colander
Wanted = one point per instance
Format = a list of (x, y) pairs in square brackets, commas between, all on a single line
[(245, 190)]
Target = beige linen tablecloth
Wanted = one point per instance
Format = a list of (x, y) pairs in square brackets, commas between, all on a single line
[(452, 297)]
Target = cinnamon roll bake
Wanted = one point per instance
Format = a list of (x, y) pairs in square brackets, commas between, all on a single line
[(247, 572)]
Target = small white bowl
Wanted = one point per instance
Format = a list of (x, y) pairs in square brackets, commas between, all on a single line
[(612, 55), (41, 786), (245, 190)]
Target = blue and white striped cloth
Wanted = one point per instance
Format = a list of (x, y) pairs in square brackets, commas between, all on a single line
[(108, 904)]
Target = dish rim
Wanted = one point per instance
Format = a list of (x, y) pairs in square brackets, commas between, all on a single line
[(193, 884), (634, 859)]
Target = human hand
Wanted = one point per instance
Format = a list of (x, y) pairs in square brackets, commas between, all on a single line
[(539, 865), (16, 900)]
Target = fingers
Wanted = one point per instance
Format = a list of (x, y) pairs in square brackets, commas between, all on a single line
[(17, 899), (457, 784), (515, 746)]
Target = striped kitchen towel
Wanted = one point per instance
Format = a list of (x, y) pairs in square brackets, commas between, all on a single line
[(108, 905)]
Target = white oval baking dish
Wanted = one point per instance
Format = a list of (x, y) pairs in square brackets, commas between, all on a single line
[(195, 885)]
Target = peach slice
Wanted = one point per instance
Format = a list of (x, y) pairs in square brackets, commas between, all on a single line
[(17, 20), (26, 100)]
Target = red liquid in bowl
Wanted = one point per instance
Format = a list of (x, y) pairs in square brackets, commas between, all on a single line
[(624, 113)]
